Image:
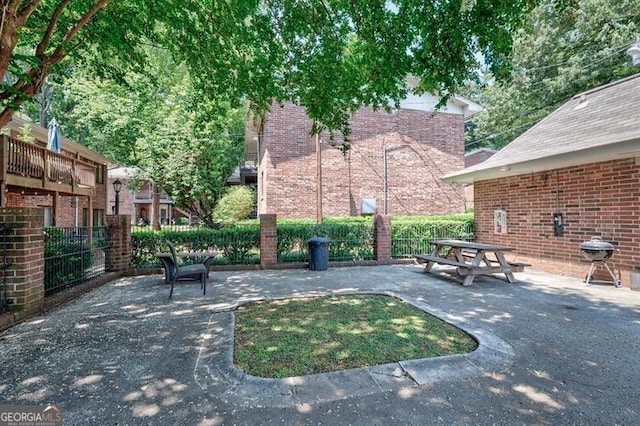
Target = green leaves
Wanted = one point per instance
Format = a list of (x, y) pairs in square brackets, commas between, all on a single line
[(566, 48), (236, 204), (332, 56), (335, 56)]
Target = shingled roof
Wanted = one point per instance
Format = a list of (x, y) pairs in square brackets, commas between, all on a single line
[(598, 125)]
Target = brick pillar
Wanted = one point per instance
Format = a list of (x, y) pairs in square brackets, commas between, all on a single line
[(268, 241), (382, 239), (119, 254), (25, 253)]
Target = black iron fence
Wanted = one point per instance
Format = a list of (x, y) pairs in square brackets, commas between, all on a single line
[(73, 255), (411, 236)]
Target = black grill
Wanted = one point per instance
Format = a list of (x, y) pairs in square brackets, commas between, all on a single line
[(596, 251)]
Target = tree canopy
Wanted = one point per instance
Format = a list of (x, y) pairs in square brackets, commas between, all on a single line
[(156, 120), (183, 67), (564, 48), (330, 55), (38, 36)]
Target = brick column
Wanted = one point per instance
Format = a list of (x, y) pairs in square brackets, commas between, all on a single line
[(268, 241), (119, 254), (382, 239), (25, 253)]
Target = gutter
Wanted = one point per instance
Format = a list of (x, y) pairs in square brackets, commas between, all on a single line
[(487, 171)]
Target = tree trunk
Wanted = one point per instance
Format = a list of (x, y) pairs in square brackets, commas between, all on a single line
[(155, 207)]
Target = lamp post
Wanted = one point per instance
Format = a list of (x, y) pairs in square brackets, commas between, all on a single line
[(117, 185)]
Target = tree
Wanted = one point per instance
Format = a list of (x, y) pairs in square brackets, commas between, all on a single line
[(331, 55), (335, 56), (36, 36), (186, 144), (99, 113), (192, 163), (566, 48)]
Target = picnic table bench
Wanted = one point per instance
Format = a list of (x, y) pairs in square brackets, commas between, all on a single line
[(471, 259)]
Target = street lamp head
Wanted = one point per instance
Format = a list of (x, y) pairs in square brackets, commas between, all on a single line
[(117, 185)]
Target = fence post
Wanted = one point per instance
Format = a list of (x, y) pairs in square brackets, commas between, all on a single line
[(268, 241), (119, 232), (25, 256), (382, 239)]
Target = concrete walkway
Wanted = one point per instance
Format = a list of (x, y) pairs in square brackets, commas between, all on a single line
[(552, 351)]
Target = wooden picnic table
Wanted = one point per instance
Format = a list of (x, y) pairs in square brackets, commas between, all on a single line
[(206, 258), (471, 259)]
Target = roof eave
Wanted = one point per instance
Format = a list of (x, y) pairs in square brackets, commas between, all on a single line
[(624, 149)]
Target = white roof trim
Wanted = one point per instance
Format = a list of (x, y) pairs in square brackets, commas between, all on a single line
[(486, 170)]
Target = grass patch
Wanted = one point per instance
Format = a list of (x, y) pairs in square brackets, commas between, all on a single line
[(297, 337)]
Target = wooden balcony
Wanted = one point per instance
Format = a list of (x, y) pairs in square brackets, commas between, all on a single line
[(30, 166)]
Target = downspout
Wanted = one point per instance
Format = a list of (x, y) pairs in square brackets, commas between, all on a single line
[(75, 221), (318, 179), (384, 183)]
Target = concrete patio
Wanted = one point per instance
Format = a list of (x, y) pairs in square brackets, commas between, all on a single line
[(552, 351)]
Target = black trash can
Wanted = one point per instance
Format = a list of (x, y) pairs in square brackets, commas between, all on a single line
[(318, 254)]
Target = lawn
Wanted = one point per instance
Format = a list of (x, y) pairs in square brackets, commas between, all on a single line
[(297, 337)]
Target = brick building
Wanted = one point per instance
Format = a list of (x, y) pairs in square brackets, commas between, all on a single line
[(136, 198), (69, 185), (392, 167), (574, 175), (472, 158)]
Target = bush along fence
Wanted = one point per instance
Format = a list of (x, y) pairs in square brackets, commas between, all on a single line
[(412, 234), (351, 239), (42, 267), (39, 261), (72, 256), (275, 243), (237, 245)]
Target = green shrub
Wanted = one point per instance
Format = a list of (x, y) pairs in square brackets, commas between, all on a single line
[(238, 245), (182, 221), (66, 259), (236, 204), (350, 238)]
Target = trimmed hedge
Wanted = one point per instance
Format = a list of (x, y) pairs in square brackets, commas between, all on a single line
[(238, 245), (350, 238)]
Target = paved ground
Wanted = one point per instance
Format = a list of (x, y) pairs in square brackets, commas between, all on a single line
[(552, 351)]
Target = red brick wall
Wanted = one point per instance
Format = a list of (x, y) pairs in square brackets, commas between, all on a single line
[(25, 253), (600, 199), (477, 157), (119, 253), (16, 199), (420, 147), (66, 206)]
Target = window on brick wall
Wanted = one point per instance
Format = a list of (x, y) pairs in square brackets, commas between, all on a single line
[(48, 216), (98, 217), (99, 174)]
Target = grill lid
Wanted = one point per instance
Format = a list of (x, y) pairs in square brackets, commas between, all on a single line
[(596, 244)]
